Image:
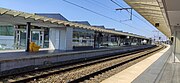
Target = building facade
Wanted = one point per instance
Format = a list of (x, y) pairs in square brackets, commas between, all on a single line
[(61, 37), (83, 37)]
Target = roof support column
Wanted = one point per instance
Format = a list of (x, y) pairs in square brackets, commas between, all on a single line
[(131, 41), (138, 41), (100, 39), (28, 29), (127, 40), (95, 38), (109, 39), (118, 41)]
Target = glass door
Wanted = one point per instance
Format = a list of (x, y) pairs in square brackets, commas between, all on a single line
[(20, 41), (37, 36)]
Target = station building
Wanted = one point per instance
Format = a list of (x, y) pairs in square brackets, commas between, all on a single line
[(53, 31), (14, 36)]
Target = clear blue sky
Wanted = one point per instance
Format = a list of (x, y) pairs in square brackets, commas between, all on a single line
[(73, 13)]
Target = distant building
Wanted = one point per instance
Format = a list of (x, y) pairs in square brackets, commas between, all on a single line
[(53, 15)]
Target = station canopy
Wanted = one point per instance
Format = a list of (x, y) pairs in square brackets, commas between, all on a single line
[(19, 18), (154, 12)]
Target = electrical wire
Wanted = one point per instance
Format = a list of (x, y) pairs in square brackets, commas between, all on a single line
[(130, 13), (91, 11), (106, 6), (120, 14), (101, 14), (109, 8)]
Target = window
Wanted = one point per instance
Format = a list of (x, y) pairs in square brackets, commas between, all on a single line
[(6, 30)]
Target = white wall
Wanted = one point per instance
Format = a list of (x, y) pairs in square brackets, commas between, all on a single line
[(52, 38), (60, 38), (69, 37)]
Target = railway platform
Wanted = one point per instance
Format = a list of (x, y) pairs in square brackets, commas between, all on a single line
[(14, 60), (158, 68)]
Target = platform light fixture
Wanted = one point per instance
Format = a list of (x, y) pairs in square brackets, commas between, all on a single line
[(156, 24)]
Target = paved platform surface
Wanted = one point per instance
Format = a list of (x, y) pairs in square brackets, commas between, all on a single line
[(171, 71), (8, 55), (146, 71)]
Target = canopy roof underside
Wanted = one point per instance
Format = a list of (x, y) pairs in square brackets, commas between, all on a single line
[(153, 11)]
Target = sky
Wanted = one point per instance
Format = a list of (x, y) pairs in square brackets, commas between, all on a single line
[(96, 12)]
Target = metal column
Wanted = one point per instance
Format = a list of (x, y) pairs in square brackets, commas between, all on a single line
[(95, 39), (28, 29)]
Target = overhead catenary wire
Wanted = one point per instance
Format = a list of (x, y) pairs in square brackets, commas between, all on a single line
[(121, 7), (102, 15), (124, 15), (132, 14), (107, 7), (91, 11)]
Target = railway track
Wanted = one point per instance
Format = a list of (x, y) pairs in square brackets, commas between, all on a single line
[(88, 71), (102, 74)]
